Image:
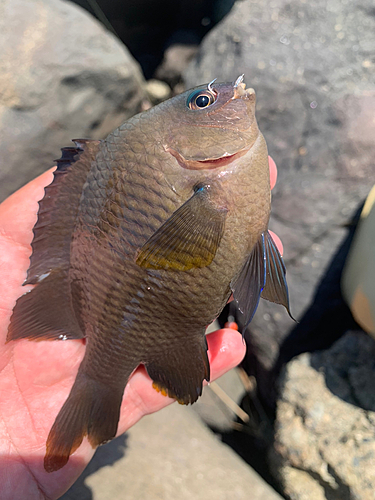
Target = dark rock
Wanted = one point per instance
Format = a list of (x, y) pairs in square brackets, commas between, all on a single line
[(62, 76), (324, 444), (311, 64)]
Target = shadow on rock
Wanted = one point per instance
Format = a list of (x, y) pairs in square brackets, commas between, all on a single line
[(104, 456), (328, 317), (349, 369)]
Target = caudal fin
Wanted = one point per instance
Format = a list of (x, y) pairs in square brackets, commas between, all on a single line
[(92, 409)]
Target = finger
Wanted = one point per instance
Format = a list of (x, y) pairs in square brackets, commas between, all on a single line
[(225, 351), (18, 213), (273, 179), (273, 172), (278, 243)]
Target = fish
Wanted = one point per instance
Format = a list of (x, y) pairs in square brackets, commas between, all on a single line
[(141, 239)]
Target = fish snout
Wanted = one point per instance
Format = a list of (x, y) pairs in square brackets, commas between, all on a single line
[(240, 90)]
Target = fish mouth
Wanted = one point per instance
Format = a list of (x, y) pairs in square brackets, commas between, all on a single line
[(240, 90), (208, 163)]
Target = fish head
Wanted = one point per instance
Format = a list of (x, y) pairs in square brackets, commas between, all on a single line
[(211, 125)]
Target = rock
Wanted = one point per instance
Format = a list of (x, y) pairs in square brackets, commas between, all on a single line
[(169, 455), (324, 443), (148, 27), (157, 91), (62, 76), (311, 66), (176, 59)]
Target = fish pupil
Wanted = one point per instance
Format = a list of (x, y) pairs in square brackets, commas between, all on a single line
[(202, 101)]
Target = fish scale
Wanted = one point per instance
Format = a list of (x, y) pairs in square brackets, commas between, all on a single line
[(140, 241)]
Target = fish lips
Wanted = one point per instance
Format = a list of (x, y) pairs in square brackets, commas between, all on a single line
[(207, 164)]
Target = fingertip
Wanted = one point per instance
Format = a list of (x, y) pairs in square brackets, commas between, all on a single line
[(273, 172), (278, 242), (226, 349)]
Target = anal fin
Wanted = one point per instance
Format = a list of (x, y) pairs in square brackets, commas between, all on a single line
[(180, 371)]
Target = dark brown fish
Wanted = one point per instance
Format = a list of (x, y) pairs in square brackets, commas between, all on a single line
[(140, 241)]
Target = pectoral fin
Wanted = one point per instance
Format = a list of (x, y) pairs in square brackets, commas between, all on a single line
[(249, 284), (263, 275), (189, 238), (276, 288)]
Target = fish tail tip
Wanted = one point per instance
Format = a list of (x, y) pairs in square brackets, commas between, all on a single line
[(53, 463), (59, 449)]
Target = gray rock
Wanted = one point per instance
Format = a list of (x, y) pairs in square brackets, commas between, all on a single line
[(157, 91), (169, 455), (175, 61), (325, 443), (62, 76), (311, 64)]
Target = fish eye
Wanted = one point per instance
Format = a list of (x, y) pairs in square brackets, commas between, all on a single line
[(201, 99)]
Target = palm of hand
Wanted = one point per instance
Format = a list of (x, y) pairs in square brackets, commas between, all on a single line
[(35, 377)]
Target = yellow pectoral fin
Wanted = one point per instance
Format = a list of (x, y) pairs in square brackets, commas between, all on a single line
[(188, 239)]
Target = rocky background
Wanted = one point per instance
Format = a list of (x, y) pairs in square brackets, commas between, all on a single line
[(65, 74)]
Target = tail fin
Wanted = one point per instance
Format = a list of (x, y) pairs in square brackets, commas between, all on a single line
[(92, 409)]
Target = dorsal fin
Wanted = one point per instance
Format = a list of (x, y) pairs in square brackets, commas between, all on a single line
[(47, 312), (58, 210)]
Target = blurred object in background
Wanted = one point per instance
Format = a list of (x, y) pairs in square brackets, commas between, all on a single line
[(149, 27), (359, 274), (62, 76)]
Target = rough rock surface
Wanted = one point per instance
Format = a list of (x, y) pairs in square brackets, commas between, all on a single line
[(62, 76), (312, 65), (325, 443), (169, 455)]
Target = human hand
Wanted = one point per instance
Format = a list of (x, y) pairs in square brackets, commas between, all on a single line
[(36, 377)]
